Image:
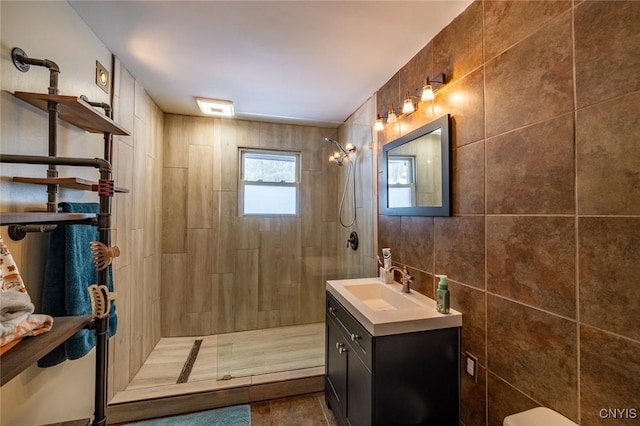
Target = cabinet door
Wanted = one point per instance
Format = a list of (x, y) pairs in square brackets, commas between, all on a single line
[(336, 370), (359, 392)]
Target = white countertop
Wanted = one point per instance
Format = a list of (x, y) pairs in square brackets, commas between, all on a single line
[(412, 312)]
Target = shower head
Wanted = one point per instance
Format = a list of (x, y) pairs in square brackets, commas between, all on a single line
[(338, 157), (336, 143)]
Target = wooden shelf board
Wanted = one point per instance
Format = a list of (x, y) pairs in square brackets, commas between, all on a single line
[(26, 218), (67, 182), (79, 422), (75, 111), (31, 349)]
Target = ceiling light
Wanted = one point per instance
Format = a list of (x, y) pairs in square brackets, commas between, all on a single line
[(217, 107)]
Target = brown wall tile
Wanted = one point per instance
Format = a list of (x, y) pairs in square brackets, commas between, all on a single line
[(389, 235), (459, 252), (422, 282), (609, 249), (468, 179), (532, 81), (416, 249), (531, 170), (473, 400), (505, 400), (532, 260), (508, 22), (609, 371), (535, 352), (607, 136), (517, 143), (471, 303), (457, 49), (464, 100), (414, 74), (389, 94), (607, 37)]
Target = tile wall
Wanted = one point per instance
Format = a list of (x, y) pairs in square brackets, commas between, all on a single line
[(542, 249), (357, 130), (223, 272), (137, 227)]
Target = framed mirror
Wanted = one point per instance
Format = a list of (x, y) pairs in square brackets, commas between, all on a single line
[(415, 172)]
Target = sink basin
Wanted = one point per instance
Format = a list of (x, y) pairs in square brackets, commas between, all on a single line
[(380, 298), (384, 310)]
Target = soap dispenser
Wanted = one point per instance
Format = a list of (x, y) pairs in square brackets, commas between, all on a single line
[(442, 295)]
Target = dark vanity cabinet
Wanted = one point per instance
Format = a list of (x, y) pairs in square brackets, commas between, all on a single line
[(400, 379)]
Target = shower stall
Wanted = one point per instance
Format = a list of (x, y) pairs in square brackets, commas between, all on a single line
[(244, 295)]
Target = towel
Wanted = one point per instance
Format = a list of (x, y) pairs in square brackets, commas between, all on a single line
[(68, 273), (17, 319)]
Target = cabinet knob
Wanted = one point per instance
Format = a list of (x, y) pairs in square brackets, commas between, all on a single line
[(342, 349), (331, 309), (354, 337)]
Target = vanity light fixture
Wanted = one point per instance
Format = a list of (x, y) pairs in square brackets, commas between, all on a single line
[(216, 107), (408, 106), (427, 90), (378, 127), (392, 117)]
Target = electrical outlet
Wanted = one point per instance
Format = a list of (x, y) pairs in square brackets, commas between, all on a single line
[(472, 366)]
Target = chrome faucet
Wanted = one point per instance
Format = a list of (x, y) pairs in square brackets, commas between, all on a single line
[(405, 279)]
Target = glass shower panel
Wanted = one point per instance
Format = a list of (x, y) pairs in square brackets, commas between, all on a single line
[(273, 299)]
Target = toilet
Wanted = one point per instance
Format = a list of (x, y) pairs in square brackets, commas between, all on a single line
[(539, 416)]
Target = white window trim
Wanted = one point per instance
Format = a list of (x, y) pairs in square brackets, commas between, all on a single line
[(242, 183), (412, 181)]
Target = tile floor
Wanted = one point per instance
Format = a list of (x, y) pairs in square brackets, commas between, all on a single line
[(305, 410), (250, 357)]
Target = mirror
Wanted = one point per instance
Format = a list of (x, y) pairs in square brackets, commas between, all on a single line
[(415, 172)]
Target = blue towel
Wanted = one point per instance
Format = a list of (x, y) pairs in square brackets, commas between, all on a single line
[(68, 273)]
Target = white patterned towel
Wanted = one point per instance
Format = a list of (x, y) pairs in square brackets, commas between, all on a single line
[(17, 319)]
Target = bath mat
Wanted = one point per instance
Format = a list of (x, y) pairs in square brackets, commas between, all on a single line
[(238, 415)]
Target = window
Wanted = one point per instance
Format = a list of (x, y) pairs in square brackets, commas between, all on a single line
[(401, 181), (269, 182)]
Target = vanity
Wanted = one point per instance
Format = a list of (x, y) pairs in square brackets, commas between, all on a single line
[(391, 358)]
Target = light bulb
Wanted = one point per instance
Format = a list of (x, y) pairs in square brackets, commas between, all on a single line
[(427, 93), (336, 155), (408, 108), (349, 147), (378, 127), (331, 158), (392, 118)]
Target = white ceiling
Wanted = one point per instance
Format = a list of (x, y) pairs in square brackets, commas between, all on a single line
[(305, 61)]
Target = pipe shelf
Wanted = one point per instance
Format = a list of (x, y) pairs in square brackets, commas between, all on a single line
[(67, 182), (31, 349), (33, 218), (75, 111)]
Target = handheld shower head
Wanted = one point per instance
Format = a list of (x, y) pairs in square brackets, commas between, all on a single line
[(338, 157), (336, 143)]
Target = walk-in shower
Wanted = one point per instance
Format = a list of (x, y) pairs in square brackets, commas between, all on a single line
[(346, 154)]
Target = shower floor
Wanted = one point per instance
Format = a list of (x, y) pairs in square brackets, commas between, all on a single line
[(228, 360)]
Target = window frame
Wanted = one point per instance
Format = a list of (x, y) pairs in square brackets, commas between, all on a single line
[(411, 160), (242, 183)]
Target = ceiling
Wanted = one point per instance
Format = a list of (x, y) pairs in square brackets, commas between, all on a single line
[(312, 62)]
